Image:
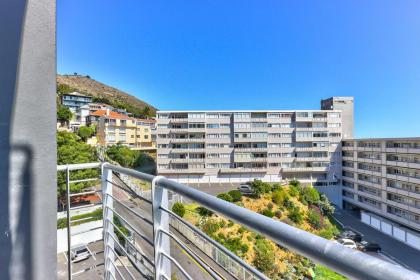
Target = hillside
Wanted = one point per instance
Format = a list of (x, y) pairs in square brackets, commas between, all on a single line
[(104, 93), (295, 205)]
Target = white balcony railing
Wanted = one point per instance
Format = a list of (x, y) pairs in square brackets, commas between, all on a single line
[(125, 258)]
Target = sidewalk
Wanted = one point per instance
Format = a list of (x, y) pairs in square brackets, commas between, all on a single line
[(399, 251)]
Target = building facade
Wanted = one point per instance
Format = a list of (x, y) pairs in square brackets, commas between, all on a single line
[(115, 128), (383, 176), (345, 104), (75, 100), (238, 146)]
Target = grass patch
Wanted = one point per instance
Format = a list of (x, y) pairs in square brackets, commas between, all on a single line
[(324, 273), (81, 219)]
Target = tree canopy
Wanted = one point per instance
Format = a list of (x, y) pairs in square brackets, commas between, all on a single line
[(85, 132), (64, 114)]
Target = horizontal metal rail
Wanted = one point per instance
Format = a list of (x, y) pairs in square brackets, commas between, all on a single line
[(78, 166), (131, 210), (349, 262)]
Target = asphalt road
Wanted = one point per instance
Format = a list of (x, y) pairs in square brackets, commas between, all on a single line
[(400, 252)]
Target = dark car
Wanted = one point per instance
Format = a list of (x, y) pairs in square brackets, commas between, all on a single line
[(349, 234), (366, 246)]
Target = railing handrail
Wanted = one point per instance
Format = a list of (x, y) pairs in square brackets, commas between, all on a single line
[(344, 260)]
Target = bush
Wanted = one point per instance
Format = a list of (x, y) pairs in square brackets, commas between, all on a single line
[(310, 195), (296, 216), (235, 195), (203, 211), (267, 212), (270, 206), (241, 230), (264, 255), (288, 203), (279, 196), (325, 206), (85, 132), (276, 187), (259, 187), (210, 227), (225, 196), (293, 190), (179, 209), (230, 224), (278, 214), (329, 232), (222, 223), (314, 219)]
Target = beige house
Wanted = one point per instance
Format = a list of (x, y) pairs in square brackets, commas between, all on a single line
[(115, 128)]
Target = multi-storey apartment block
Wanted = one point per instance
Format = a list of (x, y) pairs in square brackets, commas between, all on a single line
[(115, 128), (75, 100), (237, 146), (383, 176)]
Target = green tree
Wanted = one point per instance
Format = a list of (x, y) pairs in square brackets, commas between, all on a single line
[(85, 132), (179, 209), (325, 206), (264, 255), (122, 154), (71, 150), (64, 115)]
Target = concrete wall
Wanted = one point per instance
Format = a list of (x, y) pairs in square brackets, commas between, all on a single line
[(27, 140)]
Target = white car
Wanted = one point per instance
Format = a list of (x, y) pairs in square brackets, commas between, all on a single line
[(245, 189), (79, 253), (347, 243)]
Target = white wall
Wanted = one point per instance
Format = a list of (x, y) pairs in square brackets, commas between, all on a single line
[(84, 238)]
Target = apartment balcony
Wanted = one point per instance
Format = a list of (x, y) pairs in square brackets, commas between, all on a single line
[(178, 120), (304, 119), (414, 165), (304, 169), (312, 149), (250, 149), (403, 150), (369, 160), (186, 160), (243, 170), (176, 130), (311, 159), (182, 171), (187, 140)]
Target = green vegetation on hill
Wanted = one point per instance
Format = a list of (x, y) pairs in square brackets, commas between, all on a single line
[(296, 205)]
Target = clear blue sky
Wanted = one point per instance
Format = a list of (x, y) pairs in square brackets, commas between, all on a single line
[(222, 54)]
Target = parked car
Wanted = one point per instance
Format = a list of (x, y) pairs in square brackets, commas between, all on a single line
[(245, 189), (79, 253), (366, 246), (349, 234), (347, 243)]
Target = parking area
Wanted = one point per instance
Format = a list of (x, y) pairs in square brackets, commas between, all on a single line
[(392, 249)]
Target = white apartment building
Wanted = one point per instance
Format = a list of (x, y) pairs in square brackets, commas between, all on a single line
[(238, 146), (382, 176)]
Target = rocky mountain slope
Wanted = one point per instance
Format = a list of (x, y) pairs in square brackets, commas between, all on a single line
[(104, 93)]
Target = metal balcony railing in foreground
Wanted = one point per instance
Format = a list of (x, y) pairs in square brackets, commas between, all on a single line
[(146, 254)]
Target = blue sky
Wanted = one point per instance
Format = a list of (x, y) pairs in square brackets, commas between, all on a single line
[(220, 54)]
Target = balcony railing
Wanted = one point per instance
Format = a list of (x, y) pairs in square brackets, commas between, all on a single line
[(123, 258)]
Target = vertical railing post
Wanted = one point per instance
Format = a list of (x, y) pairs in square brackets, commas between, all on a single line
[(160, 222), (69, 270), (108, 227)]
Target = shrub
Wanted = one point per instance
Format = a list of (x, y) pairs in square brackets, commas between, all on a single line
[(279, 196), (179, 209), (235, 195), (241, 230), (222, 223), (276, 187), (329, 232), (310, 195), (230, 224), (293, 190), (210, 227), (278, 214), (235, 245), (296, 216), (259, 187), (267, 212), (225, 196), (203, 211), (270, 206), (288, 203), (314, 219), (264, 255), (325, 206)]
